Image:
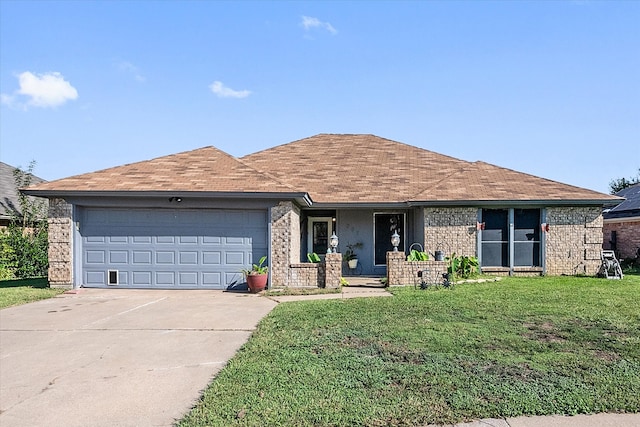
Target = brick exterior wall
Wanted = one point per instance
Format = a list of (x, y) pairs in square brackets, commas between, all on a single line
[(401, 272), (627, 235), (285, 241), (325, 274), (306, 275), (60, 244), (451, 230), (574, 241), (573, 244)]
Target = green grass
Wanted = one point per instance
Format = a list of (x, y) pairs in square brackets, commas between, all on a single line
[(16, 292), (561, 345)]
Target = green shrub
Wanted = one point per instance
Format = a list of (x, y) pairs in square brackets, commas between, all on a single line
[(24, 251), (416, 255), (462, 266), (313, 257)]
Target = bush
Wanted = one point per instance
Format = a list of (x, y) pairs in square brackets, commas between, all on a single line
[(463, 266), (24, 252), (24, 243)]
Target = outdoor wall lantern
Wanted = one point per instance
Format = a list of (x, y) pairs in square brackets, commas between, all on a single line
[(333, 242), (395, 241)]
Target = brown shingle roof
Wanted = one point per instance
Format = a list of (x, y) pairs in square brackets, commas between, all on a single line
[(204, 170), (483, 181), (333, 169), (370, 169)]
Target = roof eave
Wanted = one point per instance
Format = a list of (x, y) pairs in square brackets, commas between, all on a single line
[(301, 197), (531, 202), (359, 205)]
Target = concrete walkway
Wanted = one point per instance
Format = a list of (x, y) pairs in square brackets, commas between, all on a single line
[(346, 293)]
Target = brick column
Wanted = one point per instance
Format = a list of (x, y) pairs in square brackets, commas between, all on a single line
[(333, 270), (285, 242), (394, 268), (60, 244)]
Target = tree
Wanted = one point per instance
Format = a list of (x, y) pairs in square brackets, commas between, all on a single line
[(24, 243), (33, 211), (616, 185)]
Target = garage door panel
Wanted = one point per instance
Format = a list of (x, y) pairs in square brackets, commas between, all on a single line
[(188, 278), (141, 278), (234, 241), (189, 258), (165, 257), (186, 240), (212, 279), (141, 257), (211, 258), (211, 240), (141, 240), (95, 278), (235, 258), (119, 257), (181, 248), (95, 257), (96, 239), (167, 278)]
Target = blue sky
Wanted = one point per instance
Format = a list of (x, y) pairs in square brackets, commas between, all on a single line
[(550, 88)]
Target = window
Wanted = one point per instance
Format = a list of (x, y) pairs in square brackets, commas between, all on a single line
[(495, 238), (511, 238), (384, 227), (526, 237)]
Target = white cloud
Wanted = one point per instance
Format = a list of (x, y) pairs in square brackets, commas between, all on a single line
[(41, 90), (309, 23), (222, 91), (128, 67)]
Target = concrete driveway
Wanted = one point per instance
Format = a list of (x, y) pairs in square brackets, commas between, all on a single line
[(118, 357)]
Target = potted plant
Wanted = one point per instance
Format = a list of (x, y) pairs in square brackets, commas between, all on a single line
[(350, 256), (257, 276)]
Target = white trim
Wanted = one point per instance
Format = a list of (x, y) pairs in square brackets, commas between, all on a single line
[(621, 220)]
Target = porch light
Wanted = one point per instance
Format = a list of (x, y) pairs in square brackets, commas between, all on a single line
[(395, 241), (333, 242)]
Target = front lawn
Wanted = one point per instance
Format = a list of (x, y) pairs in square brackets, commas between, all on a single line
[(15, 292), (538, 346)]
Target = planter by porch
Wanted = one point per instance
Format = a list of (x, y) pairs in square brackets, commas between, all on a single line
[(353, 263), (257, 282)]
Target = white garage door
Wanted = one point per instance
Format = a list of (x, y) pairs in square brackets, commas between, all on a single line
[(170, 248)]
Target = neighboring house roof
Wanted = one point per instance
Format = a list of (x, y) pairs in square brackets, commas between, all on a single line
[(630, 208), (334, 169), (8, 192)]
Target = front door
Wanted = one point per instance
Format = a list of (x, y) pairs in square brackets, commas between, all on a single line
[(320, 230), (385, 224)]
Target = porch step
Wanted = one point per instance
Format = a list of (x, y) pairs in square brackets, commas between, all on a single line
[(365, 281)]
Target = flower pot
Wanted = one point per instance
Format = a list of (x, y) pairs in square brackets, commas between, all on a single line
[(353, 263), (257, 282)]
